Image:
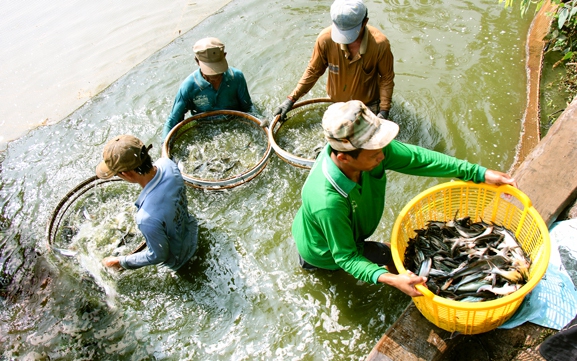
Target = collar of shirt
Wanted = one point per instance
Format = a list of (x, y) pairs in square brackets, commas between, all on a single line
[(148, 188), (203, 84), (335, 176), (363, 48)]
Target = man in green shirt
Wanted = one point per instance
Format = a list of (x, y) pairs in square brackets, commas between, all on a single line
[(343, 197)]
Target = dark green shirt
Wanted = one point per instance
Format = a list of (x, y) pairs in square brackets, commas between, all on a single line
[(337, 214)]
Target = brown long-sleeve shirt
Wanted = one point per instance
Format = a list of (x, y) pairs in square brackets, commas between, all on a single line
[(367, 77)]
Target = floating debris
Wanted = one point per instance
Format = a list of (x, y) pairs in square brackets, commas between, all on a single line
[(467, 261)]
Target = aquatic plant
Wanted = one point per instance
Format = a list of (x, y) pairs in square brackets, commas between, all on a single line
[(561, 36)]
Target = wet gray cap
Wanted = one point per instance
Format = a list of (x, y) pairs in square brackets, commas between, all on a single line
[(347, 16)]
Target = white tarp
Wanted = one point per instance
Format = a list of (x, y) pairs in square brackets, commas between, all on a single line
[(553, 302)]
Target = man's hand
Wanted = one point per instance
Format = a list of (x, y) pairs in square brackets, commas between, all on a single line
[(264, 122), (499, 178), (284, 108), (405, 282), (112, 262), (383, 114)]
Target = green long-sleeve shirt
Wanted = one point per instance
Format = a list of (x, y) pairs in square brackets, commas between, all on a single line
[(337, 214)]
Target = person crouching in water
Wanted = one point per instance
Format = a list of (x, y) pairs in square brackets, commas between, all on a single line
[(162, 216)]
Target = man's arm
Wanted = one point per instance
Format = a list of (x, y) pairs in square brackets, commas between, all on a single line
[(415, 160), (387, 75), (405, 282), (315, 69), (179, 108), (243, 94), (499, 178), (156, 252), (337, 230)]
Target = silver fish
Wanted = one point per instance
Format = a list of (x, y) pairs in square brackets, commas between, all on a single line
[(502, 291), (425, 268), (65, 252)]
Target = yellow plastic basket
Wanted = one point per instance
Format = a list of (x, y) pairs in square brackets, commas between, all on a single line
[(503, 205)]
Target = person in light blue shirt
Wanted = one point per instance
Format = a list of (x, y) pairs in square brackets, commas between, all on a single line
[(215, 86), (162, 208)]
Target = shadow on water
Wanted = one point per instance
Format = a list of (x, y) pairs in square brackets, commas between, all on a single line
[(455, 92)]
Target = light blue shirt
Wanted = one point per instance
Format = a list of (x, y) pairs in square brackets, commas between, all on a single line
[(197, 96), (170, 231)]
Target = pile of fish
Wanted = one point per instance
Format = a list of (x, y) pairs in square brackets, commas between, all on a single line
[(466, 261), (219, 149)]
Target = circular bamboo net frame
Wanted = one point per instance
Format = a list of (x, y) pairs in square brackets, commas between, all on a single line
[(288, 157), (59, 212), (210, 184)]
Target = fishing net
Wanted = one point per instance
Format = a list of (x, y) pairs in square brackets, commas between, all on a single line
[(219, 149), (299, 139), (96, 219)]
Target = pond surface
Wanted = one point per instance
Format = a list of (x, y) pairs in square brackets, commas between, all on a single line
[(460, 89)]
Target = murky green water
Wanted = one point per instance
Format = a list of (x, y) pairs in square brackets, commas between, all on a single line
[(460, 89)]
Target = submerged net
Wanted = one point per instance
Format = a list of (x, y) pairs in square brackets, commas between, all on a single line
[(218, 151), (97, 220), (300, 137)]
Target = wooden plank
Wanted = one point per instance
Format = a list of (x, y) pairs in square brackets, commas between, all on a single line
[(411, 338), (549, 173)]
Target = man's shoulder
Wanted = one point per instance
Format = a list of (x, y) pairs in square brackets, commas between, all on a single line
[(191, 80), (234, 72), (318, 189), (325, 35), (377, 35), (165, 162), (168, 167)]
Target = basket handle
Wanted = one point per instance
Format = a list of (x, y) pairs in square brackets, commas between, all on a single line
[(517, 193), (425, 291)]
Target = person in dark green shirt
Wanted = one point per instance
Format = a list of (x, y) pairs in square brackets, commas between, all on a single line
[(343, 197)]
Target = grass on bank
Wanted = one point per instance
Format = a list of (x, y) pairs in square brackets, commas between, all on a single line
[(560, 58)]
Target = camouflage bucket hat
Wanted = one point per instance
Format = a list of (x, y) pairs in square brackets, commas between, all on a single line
[(351, 125)]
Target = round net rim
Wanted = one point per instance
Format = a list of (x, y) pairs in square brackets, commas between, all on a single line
[(60, 210), (230, 182), (286, 156)]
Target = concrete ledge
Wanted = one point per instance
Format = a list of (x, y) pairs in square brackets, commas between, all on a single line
[(549, 174), (530, 132)]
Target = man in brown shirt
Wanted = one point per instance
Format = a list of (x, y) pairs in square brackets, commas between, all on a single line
[(358, 57)]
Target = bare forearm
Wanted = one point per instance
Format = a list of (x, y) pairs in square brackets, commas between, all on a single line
[(405, 282)]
